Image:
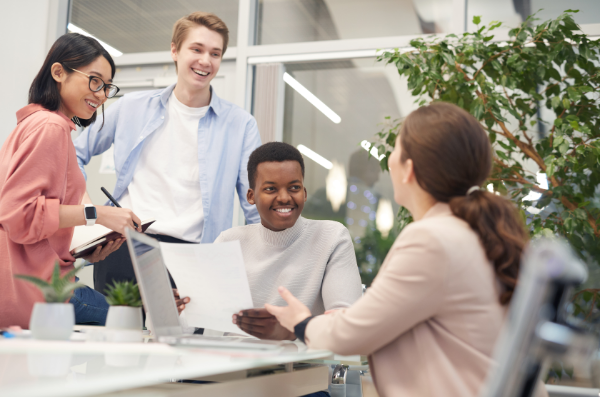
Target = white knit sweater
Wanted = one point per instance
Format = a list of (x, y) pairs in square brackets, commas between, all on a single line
[(314, 259)]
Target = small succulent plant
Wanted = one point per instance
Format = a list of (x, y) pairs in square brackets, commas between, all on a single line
[(58, 289), (123, 293)]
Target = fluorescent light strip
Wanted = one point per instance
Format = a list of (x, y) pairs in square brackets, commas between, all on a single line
[(315, 157), (304, 92), (111, 50)]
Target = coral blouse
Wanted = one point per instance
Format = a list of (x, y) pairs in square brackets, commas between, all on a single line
[(38, 173)]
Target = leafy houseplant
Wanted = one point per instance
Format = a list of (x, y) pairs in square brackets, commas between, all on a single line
[(124, 319), (536, 94), (53, 320), (124, 293)]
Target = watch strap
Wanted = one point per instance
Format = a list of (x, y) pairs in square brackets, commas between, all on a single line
[(89, 221)]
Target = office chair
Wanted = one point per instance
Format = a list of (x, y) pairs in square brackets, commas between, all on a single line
[(538, 328)]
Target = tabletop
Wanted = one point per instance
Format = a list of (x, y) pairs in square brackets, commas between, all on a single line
[(62, 368)]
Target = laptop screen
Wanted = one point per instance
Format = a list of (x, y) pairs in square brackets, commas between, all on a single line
[(155, 287)]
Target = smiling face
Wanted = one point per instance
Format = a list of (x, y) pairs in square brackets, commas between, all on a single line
[(279, 194), (198, 58), (75, 95)]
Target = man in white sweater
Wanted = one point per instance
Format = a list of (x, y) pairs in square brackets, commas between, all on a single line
[(313, 258)]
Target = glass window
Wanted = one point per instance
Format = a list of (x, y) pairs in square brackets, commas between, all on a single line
[(291, 21), (343, 183), (137, 26), (513, 12)]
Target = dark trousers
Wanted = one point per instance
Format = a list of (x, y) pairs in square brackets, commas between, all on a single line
[(118, 267)]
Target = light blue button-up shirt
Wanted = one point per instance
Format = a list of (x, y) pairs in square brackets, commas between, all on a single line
[(227, 135)]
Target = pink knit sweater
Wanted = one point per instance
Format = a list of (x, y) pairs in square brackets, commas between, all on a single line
[(38, 173)]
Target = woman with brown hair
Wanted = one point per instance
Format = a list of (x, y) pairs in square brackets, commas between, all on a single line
[(432, 315)]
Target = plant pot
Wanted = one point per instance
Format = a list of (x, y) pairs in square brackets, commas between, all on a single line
[(124, 324), (52, 321)]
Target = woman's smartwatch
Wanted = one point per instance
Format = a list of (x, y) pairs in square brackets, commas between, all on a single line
[(89, 212)]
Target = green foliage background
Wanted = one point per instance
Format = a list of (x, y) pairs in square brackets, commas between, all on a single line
[(549, 69)]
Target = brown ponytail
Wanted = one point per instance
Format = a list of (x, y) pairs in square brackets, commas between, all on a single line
[(451, 153)]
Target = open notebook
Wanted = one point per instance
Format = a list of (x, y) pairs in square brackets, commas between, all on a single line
[(87, 238)]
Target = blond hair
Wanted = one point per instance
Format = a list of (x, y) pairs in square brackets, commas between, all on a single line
[(199, 18)]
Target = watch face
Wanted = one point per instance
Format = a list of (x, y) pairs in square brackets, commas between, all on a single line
[(90, 212)]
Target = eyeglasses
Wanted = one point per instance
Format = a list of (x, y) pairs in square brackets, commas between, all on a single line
[(97, 84)]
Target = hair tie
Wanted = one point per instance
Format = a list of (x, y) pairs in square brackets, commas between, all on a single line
[(472, 190)]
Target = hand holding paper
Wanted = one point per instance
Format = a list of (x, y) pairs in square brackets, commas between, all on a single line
[(213, 276)]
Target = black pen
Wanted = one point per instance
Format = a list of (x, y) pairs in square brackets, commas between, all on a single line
[(114, 201)]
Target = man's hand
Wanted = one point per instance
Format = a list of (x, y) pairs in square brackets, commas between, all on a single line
[(180, 302), (261, 324), (102, 252), (289, 315)]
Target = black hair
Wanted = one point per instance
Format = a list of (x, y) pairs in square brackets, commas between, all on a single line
[(274, 151), (71, 50)]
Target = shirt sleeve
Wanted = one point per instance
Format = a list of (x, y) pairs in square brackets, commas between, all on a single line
[(30, 196), (341, 282), (408, 290), (251, 142), (96, 139)]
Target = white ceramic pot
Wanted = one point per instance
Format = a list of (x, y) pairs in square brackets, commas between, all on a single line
[(124, 324), (52, 321)]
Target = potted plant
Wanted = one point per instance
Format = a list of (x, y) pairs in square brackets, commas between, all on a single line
[(54, 319), (124, 319), (536, 94)]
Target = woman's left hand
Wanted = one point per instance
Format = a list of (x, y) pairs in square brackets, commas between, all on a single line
[(102, 252), (289, 316)]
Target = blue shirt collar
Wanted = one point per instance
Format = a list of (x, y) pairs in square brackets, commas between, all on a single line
[(215, 101)]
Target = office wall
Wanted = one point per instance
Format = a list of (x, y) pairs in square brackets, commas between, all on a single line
[(27, 30)]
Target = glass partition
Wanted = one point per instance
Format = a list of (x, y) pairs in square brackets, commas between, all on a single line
[(513, 12), (145, 25), (350, 100), (292, 21)]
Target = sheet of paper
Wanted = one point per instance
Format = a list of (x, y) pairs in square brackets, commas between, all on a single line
[(214, 277)]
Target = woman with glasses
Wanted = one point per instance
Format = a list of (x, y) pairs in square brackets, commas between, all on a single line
[(41, 185)]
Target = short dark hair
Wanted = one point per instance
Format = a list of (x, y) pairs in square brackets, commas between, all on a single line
[(274, 151), (71, 50)]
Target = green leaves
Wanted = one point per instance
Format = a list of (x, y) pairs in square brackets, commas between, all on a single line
[(477, 108), (123, 293), (555, 102), (541, 88), (58, 289)]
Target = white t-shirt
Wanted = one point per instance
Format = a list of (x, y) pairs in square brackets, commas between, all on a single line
[(165, 184)]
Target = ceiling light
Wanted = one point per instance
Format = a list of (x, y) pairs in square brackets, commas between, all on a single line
[(304, 92), (384, 219), (111, 50), (315, 157), (372, 150), (336, 186)]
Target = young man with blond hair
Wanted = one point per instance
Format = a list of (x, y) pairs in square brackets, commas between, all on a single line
[(180, 152)]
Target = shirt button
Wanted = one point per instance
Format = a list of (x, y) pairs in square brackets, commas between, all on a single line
[(162, 117)]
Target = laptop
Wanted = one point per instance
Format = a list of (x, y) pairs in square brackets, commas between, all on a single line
[(159, 303)]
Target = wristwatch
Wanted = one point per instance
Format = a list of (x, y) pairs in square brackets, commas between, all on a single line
[(89, 212)]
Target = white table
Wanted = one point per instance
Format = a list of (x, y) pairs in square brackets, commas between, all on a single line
[(47, 368)]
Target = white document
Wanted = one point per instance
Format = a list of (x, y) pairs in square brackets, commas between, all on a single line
[(83, 234), (214, 277)]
